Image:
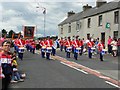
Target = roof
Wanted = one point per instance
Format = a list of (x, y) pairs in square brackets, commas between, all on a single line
[(91, 12)]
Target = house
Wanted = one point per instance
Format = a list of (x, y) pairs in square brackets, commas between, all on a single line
[(100, 22)]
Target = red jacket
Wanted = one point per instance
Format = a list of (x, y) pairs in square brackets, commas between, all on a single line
[(33, 44), (42, 43), (100, 46), (90, 44), (61, 42), (48, 43), (81, 43), (68, 43), (26, 42), (75, 43), (20, 42)]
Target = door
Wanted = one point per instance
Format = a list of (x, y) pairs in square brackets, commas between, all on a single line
[(103, 37)]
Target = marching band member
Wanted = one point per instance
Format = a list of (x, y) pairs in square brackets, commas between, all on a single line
[(15, 44), (43, 48), (90, 45), (54, 46), (73, 40), (27, 44), (48, 44), (100, 48), (75, 46), (33, 46), (20, 44), (81, 44), (64, 45), (37, 45), (61, 44), (68, 47)]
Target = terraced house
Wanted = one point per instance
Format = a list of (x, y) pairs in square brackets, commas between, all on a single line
[(100, 21)]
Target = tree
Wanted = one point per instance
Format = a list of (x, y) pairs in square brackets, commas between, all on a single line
[(10, 33), (4, 32)]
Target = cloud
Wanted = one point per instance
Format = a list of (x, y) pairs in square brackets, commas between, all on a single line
[(17, 13)]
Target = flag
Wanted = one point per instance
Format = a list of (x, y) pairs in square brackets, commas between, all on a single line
[(44, 11)]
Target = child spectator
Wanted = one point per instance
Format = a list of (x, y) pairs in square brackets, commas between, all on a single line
[(16, 76)]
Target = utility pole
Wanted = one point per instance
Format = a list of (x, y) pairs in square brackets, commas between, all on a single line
[(44, 12)]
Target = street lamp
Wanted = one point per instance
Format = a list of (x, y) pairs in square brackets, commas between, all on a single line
[(44, 12)]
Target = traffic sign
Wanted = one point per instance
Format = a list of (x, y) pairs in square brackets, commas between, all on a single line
[(107, 25)]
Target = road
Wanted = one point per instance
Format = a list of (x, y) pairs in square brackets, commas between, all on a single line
[(42, 73)]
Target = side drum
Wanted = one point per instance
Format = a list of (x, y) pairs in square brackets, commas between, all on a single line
[(21, 50), (69, 49), (77, 50), (49, 49)]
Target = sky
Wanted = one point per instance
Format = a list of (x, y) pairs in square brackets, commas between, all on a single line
[(17, 13)]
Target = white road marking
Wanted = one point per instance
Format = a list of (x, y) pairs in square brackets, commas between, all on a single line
[(86, 67), (74, 68), (112, 84)]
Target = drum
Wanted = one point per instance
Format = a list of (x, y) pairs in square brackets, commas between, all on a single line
[(92, 49), (43, 49), (104, 51), (77, 50), (69, 49), (21, 50), (49, 49)]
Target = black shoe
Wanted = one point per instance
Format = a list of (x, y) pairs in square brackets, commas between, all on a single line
[(75, 58), (101, 60)]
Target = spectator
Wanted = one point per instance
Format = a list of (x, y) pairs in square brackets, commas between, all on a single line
[(118, 44), (15, 75), (114, 47), (109, 45), (6, 64)]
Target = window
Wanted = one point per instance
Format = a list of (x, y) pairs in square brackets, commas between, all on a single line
[(89, 21), (100, 20), (88, 36), (116, 17), (116, 34), (69, 28), (78, 26), (61, 30)]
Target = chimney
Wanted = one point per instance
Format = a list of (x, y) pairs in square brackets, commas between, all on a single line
[(86, 7), (100, 3), (70, 13)]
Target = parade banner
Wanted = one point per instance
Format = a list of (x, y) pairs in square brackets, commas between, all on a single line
[(29, 31)]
